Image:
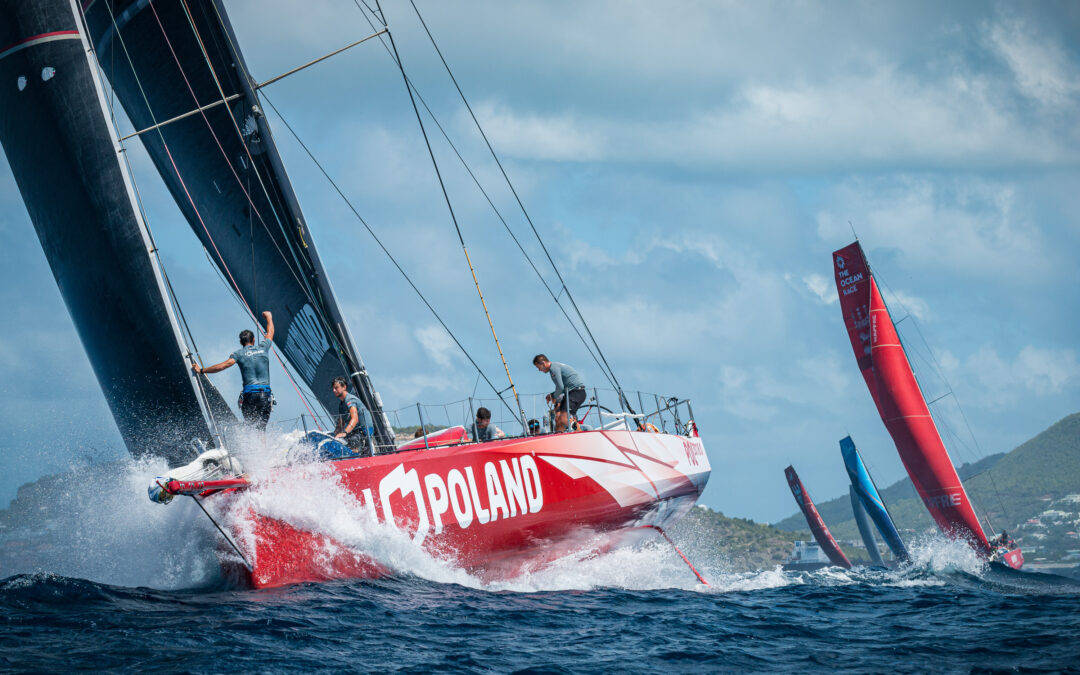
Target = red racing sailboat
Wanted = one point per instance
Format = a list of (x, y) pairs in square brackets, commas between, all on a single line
[(900, 402), (495, 509), (820, 531)]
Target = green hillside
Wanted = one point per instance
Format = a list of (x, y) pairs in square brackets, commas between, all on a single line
[(1028, 479)]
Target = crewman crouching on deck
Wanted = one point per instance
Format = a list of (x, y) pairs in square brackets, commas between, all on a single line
[(256, 400), (483, 430), (351, 424), (569, 391)]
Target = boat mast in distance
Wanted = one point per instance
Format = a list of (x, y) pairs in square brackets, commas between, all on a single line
[(817, 526)]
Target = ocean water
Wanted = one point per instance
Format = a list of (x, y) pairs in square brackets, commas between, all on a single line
[(125, 584)]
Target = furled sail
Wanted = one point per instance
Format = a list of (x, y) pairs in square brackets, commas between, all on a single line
[(899, 400), (865, 531), (863, 486), (63, 153), (813, 519), (165, 59)]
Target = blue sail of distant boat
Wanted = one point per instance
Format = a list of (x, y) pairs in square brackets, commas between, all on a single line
[(871, 499), (864, 528)]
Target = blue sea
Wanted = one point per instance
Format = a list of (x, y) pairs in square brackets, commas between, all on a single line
[(862, 621), (108, 581)]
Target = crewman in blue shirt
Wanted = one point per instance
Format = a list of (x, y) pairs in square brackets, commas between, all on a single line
[(569, 391), (351, 427), (256, 401)]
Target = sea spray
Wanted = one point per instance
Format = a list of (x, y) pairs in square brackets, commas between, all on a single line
[(95, 522)]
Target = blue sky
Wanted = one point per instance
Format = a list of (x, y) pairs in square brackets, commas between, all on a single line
[(691, 165)]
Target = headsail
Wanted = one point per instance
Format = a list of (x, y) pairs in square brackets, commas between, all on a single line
[(62, 149), (813, 519), (168, 58), (863, 486), (863, 524), (899, 400)]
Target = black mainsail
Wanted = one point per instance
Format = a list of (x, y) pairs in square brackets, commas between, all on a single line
[(62, 148), (168, 58)]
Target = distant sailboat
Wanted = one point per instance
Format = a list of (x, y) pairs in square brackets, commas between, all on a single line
[(891, 381), (869, 500), (818, 528)]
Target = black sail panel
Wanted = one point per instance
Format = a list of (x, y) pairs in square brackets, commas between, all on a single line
[(62, 152), (170, 57)]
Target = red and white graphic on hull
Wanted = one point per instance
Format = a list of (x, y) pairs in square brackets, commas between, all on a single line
[(500, 507)]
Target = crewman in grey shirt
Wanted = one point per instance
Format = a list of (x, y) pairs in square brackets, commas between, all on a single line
[(569, 391), (351, 424), (256, 400)]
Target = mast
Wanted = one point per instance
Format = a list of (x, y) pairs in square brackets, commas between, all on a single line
[(62, 148), (226, 175), (817, 526), (900, 402)]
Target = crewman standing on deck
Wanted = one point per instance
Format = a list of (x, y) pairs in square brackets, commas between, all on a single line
[(256, 401), (569, 391)]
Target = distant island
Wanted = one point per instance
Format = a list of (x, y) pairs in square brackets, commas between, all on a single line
[(1032, 491)]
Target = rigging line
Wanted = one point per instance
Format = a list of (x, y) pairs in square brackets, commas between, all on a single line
[(457, 226), (517, 197), (284, 364), (608, 376), (289, 265), (385, 250), (227, 537), (960, 408), (179, 177), (506, 226), (498, 214), (188, 343), (344, 347)]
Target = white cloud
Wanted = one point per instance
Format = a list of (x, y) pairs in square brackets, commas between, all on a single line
[(999, 382), (914, 305), (1042, 68), (979, 226), (439, 347), (536, 136), (822, 288)]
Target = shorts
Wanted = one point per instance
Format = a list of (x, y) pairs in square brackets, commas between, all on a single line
[(255, 406), (576, 397)]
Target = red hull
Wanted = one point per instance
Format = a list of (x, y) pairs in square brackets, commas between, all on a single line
[(495, 509), (899, 400)]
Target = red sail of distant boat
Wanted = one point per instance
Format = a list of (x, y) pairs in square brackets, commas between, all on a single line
[(899, 400), (813, 519)]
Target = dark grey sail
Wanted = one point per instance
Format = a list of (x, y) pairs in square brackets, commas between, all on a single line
[(170, 57), (63, 153)]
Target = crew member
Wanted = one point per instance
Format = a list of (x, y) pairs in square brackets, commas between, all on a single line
[(351, 424), (483, 430), (256, 401), (569, 391), (534, 427)]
